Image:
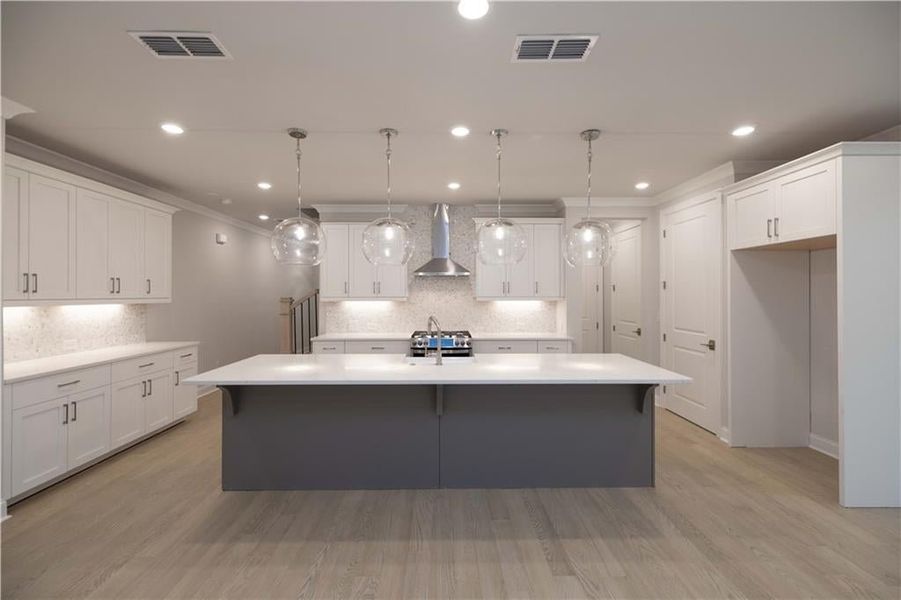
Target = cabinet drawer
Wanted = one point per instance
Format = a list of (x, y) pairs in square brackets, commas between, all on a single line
[(555, 346), (377, 347), (505, 347), (144, 365), (328, 347), (33, 391), (185, 356)]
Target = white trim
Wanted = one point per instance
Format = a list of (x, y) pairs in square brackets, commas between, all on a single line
[(518, 210), (357, 213), (4, 515), (526, 220), (823, 445), (11, 108), (612, 202), (41, 155), (724, 435)]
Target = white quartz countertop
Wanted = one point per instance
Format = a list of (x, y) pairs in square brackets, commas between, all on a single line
[(344, 337), (394, 369), (40, 367)]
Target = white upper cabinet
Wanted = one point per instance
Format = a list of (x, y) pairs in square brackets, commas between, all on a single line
[(345, 273), (66, 238), (157, 254), (539, 275), (796, 206)]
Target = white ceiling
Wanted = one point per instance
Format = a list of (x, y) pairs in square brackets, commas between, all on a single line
[(666, 82)]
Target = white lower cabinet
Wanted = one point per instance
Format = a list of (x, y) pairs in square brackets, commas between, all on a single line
[(328, 347), (377, 347), (505, 347), (184, 395), (58, 423)]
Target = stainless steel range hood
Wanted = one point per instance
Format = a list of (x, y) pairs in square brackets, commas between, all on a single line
[(441, 264)]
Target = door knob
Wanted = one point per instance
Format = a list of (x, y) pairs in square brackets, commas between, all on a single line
[(637, 331), (710, 344)]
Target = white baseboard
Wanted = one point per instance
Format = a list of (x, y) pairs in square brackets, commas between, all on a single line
[(724, 435), (821, 444), (3, 514)]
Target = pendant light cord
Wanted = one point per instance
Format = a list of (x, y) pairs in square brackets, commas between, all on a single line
[(388, 161), (298, 153), (499, 134), (589, 180)]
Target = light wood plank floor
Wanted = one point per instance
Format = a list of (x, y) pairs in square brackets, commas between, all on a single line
[(721, 523)]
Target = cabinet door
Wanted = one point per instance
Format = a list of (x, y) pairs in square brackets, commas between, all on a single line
[(184, 395), (158, 403), (806, 203), (392, 281), (127, 411), (751, 212), (15, 234), (547, 260), (157, 254), (51, 238), (38, 444), (521, 275), (333, 270), (126, 249), (491, 280), (362, 272), (505, 347), (88, 428), (92, 245)]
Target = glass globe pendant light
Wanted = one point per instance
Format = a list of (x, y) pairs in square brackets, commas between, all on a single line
[(590, 241), (387, 241), (298, 240), (501, 241)]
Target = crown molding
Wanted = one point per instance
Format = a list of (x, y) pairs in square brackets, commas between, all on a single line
[(607, 202), (52, 158), (522, 209), (344, 212)]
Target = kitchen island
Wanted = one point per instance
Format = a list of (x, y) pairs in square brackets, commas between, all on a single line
[(360, 421)]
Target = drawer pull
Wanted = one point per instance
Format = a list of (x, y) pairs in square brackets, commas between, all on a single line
[(376, 347), (329, 347), (144, 366), (68, 383), (188, 355)]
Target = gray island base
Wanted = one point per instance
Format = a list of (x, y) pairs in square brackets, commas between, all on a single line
[(319, 437)]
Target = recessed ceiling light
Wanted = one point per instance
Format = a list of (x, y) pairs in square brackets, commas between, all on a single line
[(172, 128), (226, 201), (743, 130), (472, 9), (263, 217), (460, 131), (453, 185), (264, 185), (642, 185)]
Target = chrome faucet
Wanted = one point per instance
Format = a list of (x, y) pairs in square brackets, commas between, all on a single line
[(428, 328)]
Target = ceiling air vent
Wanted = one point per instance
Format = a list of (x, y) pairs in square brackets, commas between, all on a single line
[(553, 48), (177, 44)]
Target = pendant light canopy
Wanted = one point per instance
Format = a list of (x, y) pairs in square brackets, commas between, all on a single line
[(387, 241), (298, 240), (501, 241), (590, 241)]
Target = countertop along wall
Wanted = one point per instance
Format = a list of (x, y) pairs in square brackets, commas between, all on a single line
[(451, 300)]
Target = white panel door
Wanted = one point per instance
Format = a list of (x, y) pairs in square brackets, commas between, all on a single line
[(126, 249), (592, 310), (334, 269), (625, 279), (184, 395), (751, 214), (127, 411), (547, 260), (806, 203), (158, 402), (392, 281), (88, 428), (92, 245), (16, 280), (157, 254), (38, 444), (362, 272), (521, 275), (51, 238), (692, 301)]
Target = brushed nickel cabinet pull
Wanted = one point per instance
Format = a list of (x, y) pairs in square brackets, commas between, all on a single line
[(144, 366), (112, 285), (536, 288), (34, 283), (376, 347), (144, 389), (66, 418), (188, 355), (769, 228), (74, 411), (177, 378), (776, 227), (59, 385), (148, 286), (25, 291), (118, 285), (149, 387)]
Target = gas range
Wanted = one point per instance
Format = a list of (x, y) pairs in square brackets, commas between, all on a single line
[(453, 343)]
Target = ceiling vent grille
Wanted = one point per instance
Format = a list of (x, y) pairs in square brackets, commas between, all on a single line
[(177, 44), (553, 48)]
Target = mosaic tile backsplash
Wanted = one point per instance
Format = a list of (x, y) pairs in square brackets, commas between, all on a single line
[(451, 300), (36, 332)]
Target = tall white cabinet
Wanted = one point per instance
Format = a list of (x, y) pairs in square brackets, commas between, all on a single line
[(67, 238), (345, 274), (538, 276)]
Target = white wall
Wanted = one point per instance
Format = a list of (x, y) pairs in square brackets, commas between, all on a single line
[(224, 296), (450, 299), (823, 352)]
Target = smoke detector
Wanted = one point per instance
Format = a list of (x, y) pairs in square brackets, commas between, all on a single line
[(553, 48), (181, 44)]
